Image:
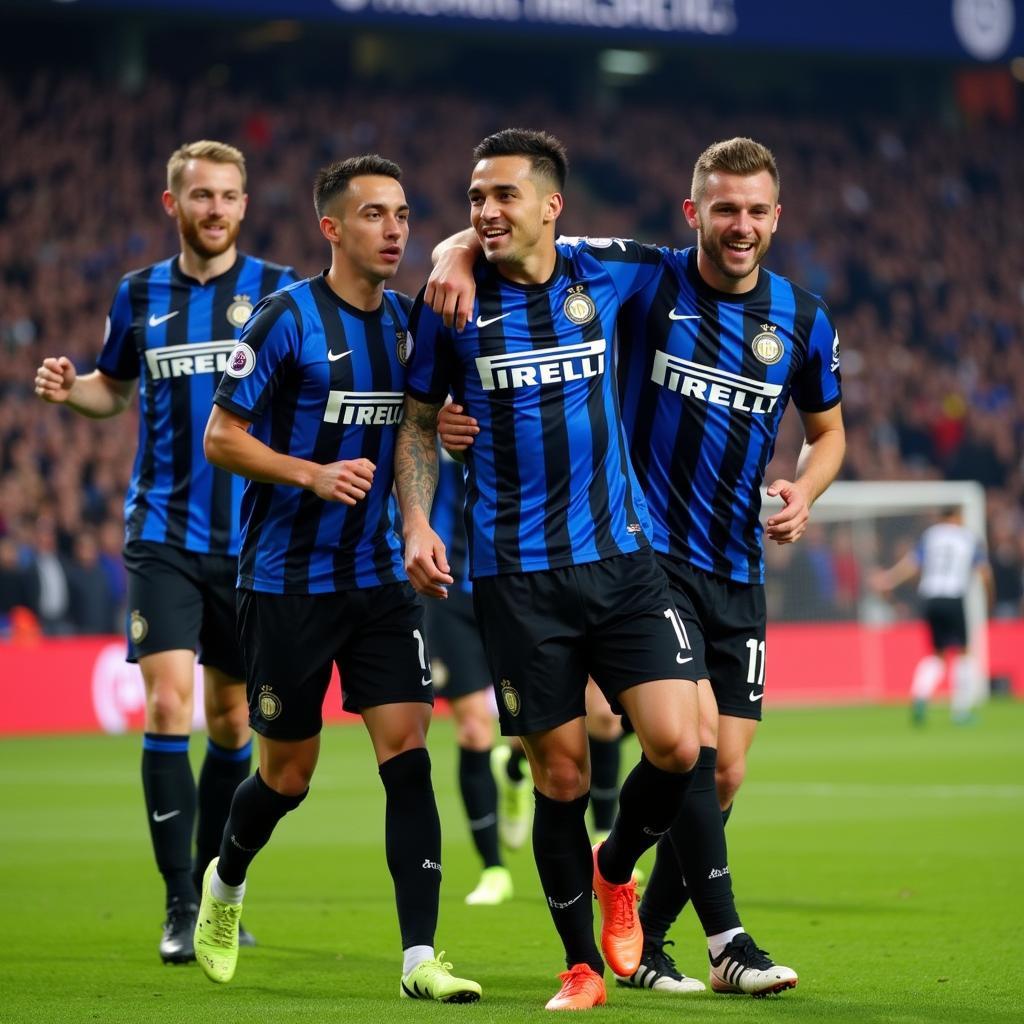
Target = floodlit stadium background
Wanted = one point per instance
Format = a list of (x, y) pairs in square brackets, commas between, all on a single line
[(898, 131)]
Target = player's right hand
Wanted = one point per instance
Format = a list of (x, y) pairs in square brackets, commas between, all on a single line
[(426, 562), (455, 429), (451, 287), (348, 481), (55, 379)]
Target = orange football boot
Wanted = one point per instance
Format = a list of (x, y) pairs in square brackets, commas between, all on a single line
[(582, 988), (622, 938)]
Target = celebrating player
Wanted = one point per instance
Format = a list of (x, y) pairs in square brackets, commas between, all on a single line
[(564, 581), (172, 327), (710, 353), (307, 412)]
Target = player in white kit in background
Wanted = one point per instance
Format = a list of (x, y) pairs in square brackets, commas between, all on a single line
[(947, 556)]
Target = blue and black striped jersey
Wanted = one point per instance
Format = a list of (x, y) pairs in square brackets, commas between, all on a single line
[(704, 378), (323, 381), (175, 335), (447, 520), (549, 481)]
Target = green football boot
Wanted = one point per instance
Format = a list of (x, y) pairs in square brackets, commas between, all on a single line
[(216, 939), (432, 979)]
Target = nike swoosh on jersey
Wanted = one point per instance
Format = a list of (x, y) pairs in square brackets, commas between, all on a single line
[(681, 660), (481, 322), (427, 681), (156, 321), (673, 315), (754, 696), (163, 817), (335, 356)]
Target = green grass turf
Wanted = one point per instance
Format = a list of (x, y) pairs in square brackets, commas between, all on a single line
[(882, 862)]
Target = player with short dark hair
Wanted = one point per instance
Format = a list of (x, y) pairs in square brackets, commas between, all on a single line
[(710, 353), (308, 411), (564, 582), (172, 327)]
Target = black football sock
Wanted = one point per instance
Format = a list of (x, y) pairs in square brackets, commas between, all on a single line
[(170, 792), (412, 841), (480, 798), (223, 771), (255, 811), (605, 759), (514, 769), (649, 801), (566, 868), (698, 837), (665, 894)]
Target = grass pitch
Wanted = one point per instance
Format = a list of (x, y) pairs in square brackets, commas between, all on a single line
[(881, 861)]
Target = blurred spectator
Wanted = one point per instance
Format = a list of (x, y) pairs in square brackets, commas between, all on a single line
[(92, 604), (891, 218), (19, 586), (54, 587), (1007, 560)]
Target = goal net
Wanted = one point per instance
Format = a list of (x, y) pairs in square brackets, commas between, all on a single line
[(831, 637)]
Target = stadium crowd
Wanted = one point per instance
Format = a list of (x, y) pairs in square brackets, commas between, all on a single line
[(906, 228)]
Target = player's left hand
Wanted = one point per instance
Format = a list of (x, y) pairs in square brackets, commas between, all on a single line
[(451, 287), (455, 429), (788, 525), (426, 562)]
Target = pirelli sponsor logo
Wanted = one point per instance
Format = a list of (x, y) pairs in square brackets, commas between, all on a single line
[(559, 365), (719, 387), (189, 359), (364, 408)]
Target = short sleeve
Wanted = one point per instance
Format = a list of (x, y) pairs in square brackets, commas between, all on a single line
[(817, 386), (268, 346), (630, 265), (119, 357), (429, 369)]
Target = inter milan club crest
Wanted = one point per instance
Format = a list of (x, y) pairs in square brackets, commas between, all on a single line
[(239, 311), (138, 627), (768, 348), (579, 306), (270, 703), (403, 346), (510, 697)]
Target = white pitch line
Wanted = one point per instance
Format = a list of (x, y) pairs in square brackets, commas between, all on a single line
[(863, 789)]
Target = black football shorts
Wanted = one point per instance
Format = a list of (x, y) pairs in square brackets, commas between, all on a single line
[(545, 632), (375, 636), (181, 600)]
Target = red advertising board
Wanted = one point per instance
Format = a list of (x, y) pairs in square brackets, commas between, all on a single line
[(83, 684)]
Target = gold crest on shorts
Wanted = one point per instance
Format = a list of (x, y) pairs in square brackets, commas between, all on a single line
[(510, 697), (138, 627), (239, 311), (270, 703)]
